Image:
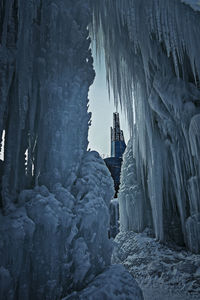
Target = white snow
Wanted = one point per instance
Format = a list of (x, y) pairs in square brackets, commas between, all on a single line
[(162, 272)]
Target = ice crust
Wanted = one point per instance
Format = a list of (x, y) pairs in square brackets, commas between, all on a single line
[(153, 64)]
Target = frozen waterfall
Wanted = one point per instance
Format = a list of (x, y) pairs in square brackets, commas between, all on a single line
[(153, 64)]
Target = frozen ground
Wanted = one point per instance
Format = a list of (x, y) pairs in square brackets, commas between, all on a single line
[(162, 272)]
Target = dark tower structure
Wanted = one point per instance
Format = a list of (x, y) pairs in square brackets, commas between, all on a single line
[(118, 147)]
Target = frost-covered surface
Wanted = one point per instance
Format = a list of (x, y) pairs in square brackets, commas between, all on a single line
[(162, 272), (153, 63), (114, 217), (114, 284), (53, 242)]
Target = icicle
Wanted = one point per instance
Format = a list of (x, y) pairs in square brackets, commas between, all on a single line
[(152, 52)]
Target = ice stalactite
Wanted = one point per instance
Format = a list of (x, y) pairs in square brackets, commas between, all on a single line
[(153, 63)]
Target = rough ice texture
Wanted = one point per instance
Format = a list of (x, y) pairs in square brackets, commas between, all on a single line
[(162, 271), (54, 205), (54, 242), (46, 70), (153, 64), (114, 284)]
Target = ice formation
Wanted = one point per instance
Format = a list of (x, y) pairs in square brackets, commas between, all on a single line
[(114, 217), (153, 64), (55, 195), (53, 242), (130, 196), (54, 205)]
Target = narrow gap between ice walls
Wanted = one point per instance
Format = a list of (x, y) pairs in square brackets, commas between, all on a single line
[(109, 132)]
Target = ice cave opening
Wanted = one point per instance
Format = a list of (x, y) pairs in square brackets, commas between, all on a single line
[(55, 195)]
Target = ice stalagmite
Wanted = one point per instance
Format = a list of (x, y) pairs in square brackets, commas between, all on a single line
[(153, 64)]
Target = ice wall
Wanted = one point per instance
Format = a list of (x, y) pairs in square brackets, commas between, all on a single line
[(54, 203), (46, 71), (153, 63)]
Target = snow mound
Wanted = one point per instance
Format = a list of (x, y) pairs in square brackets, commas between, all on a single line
[(165, 272), (114, 284)]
